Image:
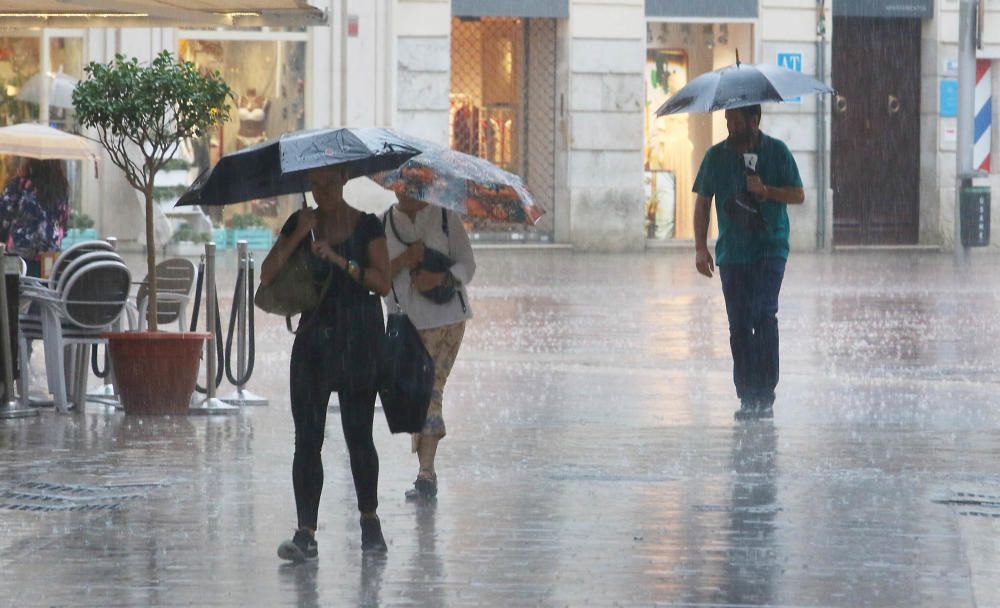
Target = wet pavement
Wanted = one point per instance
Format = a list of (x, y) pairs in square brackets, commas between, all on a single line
[(592, 458)]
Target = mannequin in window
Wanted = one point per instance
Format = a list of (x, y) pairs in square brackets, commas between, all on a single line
[(253, 117)]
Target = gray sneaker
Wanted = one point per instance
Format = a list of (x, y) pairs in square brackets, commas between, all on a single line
[(301, 548)]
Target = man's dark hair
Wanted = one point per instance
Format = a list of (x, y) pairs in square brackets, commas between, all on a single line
[(750, 112)]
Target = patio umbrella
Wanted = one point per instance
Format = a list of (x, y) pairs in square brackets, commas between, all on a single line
[(741, 85), (281, 165), (463, 183), (33, 140), (60, 89)]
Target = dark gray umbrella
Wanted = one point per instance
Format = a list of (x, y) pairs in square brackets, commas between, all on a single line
[(281, 166), (741, 85)]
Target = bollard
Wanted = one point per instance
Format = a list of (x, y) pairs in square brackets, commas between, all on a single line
[(106, 394), (241, 306), (9, 408), (210, 404)]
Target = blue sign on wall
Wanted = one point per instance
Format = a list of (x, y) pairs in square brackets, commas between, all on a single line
[(791, 61), (949, 98)]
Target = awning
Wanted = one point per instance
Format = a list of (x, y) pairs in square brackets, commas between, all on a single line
[(16, 14), (552, 9), (704, 9)]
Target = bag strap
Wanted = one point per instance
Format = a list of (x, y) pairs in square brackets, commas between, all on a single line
[(392, 225), (322, 294)]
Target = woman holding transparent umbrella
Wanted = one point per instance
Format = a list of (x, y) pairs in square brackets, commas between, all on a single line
[(431, 263)]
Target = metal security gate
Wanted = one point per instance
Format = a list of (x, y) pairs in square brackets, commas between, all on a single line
[(502, 108)]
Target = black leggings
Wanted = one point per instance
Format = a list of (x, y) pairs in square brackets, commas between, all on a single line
[(311, 387)]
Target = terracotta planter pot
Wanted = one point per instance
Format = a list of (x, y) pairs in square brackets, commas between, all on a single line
[(156, 372)]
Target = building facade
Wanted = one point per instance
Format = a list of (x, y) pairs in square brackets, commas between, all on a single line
[(564, 93)]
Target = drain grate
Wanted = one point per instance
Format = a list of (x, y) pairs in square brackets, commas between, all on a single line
[(45, 496)]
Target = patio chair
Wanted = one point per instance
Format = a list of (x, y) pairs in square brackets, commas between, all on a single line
[(87, 300), (175, 284), (65, 257)]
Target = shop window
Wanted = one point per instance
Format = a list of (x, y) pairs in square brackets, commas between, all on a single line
[(495, 61), (20, 60), (268, 79)]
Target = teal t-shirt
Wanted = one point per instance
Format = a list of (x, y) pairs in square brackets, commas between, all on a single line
[(721, 175)]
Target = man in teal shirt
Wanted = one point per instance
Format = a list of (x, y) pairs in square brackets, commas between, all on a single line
[(753, 178)]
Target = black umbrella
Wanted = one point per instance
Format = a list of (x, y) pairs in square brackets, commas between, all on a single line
[(741, 85), (281, 166)]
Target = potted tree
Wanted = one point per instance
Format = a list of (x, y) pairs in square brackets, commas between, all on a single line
[(141, 113)]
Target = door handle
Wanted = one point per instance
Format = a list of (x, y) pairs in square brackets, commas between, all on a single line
[(840, 104), (893, 104)]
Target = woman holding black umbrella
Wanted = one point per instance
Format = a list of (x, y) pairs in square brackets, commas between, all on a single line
[(335, 350)]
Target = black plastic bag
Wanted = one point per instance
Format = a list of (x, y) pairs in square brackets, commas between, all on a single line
[(406, 376)]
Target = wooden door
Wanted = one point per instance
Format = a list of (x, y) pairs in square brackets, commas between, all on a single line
[(875, 142)]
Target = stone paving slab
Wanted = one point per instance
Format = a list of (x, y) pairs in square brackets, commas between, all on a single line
[(592, 458)]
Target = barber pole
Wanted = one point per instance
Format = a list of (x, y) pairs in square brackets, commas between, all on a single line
[(983, 135)]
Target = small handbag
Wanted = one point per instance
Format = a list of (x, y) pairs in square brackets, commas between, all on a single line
[(434, 261), (406, 374), (295, 290)]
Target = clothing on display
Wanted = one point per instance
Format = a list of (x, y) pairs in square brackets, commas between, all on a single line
[(486, 132), (252, 110)]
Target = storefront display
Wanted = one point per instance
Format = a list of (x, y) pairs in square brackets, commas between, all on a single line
[(674, 145), (268, 78), (20, 60), (492, 68)]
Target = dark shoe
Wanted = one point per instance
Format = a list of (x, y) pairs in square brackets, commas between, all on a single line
[(747, 411), (765, 410), (371, 535), (423, 488), (302, 547)]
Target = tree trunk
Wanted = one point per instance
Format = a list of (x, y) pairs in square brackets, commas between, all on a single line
[(150, 259)]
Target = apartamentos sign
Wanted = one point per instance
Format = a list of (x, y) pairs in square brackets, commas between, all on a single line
[(884, 8)]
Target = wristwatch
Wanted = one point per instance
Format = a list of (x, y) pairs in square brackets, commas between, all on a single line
[(352, 266)]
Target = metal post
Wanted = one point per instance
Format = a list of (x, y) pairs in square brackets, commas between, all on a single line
[(966, 114), (821, 156), (241, 396), (106, 394), (211, 405), (9, 408)]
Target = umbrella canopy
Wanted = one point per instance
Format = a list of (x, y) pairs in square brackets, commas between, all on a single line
[(741, 85), (463, 183), (60, 89), (33, 140), (281, 166)]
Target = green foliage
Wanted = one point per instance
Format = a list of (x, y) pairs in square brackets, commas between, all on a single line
[(141, 113), (245, 220), (152, 107), (168, 192), (80, 220), (177, 164), (186, 233)]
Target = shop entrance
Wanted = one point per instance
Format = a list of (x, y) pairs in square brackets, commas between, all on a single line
[(495, 62), (875, 144), (675, 145)]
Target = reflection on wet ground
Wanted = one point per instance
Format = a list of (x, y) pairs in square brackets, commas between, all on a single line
[(592, 458)]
